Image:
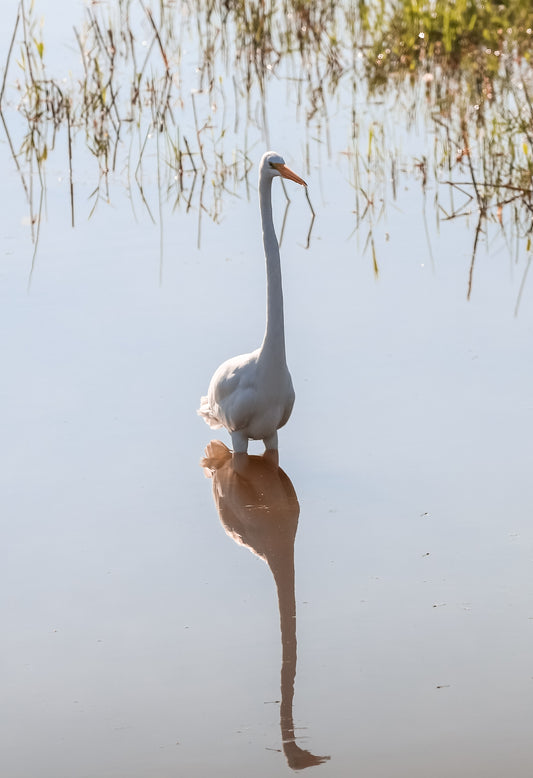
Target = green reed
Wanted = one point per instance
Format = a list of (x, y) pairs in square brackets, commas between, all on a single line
[(463, 69)]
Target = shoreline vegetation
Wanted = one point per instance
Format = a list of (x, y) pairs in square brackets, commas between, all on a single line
[(189, 82)]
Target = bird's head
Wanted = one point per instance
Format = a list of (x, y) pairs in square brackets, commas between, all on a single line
[(272, 164)]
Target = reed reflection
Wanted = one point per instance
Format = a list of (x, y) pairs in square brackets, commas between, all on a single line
[(259, 509)]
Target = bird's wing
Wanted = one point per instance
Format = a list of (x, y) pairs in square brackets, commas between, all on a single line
[(289, 406), (232, 392)]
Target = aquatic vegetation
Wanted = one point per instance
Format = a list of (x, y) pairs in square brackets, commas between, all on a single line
[(188, 82), (468, 34)]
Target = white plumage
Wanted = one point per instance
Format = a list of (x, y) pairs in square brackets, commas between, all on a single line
[(252, 395)]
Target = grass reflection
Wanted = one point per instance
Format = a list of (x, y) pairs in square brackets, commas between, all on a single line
[(187, 81)]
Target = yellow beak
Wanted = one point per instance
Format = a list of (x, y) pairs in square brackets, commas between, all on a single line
[(286, 172)]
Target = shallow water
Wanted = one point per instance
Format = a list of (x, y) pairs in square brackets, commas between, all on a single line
[(139, 639)]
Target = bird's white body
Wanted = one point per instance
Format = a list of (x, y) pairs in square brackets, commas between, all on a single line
[(252, 395)]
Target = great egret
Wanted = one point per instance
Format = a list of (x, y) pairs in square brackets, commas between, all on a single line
[(252, 395)]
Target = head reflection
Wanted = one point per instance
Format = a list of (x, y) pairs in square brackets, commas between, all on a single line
[(259, 509)]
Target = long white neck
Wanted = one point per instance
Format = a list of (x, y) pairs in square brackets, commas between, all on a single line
[(274, 341)]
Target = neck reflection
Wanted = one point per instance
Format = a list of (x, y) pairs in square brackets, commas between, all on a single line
[(258, 508)]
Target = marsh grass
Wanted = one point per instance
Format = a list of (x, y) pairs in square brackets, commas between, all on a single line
[(473, 61), (186, 84), (469, 35)]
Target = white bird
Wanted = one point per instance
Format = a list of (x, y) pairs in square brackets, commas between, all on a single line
[(252, 395)]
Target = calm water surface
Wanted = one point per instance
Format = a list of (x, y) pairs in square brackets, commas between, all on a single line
[(139, 638)]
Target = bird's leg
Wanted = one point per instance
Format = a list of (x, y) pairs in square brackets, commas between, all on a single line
[(240, 463), (271, 455), (240, 442), (271, 443)]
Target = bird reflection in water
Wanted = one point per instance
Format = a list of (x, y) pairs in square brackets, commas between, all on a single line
[(259, 509)]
